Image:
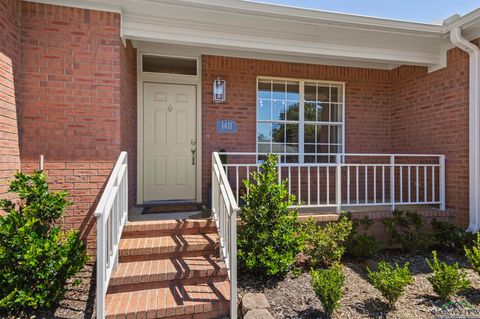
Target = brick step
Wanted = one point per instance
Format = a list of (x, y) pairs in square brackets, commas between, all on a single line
[(202, 300), (163, 247), (161, 273), (168, 227)]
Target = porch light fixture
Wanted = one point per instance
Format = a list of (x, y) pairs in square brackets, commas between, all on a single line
[(219, 90)]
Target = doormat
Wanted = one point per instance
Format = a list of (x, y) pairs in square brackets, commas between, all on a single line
[(172, 208)]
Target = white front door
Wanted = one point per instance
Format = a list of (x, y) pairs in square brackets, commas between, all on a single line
[(169, 132)]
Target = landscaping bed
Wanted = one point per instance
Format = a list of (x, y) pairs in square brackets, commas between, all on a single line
[(293, 296), (77, 303)]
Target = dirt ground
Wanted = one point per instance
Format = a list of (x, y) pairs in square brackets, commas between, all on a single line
[(293, 297)]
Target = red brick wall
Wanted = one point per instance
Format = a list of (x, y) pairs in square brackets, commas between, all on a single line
[(430, 115), (9, 88), (71, 101), (368, 100), (128, 120)]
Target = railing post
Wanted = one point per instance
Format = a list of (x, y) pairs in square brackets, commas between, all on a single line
[(338, 184), (101, 249), (233, 264), (279, 163), (442, 182), (392, 182)]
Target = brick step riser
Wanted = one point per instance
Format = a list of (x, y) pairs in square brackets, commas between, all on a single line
[(214, 252), (219, 310), (222, 276), (168, 232)]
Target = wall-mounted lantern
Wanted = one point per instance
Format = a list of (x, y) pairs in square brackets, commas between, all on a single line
[(219, 90)]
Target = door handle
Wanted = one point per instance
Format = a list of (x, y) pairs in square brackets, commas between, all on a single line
[(194, 155)]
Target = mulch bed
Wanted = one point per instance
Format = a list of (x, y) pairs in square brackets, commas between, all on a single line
[(77, 303), (293, 297)]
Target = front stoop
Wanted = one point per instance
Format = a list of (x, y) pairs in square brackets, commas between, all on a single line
[(169, 269)]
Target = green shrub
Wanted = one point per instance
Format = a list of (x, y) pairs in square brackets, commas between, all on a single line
[(360, 245), (268, 240), (473, 255), (325, 246), (447, 280), (407, 230), (390, 281), (328, 287), (449, 237), (36, 257)]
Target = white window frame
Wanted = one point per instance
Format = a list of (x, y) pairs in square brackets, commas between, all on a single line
[(301, 120)]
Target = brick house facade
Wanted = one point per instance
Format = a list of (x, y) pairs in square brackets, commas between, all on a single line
[(69, 91)]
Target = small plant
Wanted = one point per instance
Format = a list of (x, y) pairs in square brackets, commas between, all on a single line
[(473, 255), (447, 280), (449, 237), (360, 245), (325, 246), (36, 257), (407, 229), (328, 286), (390, 281), (268, 240)]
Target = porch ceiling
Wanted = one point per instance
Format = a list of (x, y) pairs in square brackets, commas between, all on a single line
[(244, 26)]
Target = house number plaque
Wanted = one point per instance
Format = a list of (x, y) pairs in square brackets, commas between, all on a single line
[(226, 126)]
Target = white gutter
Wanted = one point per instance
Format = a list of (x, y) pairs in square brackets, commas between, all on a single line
[(474, 123)]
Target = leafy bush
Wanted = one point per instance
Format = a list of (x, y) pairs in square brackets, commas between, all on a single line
[(268, 240), (447, 280), (36, 257), (473, 255), (390, 281), (360, 245), (328, 287), (407, 229), (325, 246), (449, 237)]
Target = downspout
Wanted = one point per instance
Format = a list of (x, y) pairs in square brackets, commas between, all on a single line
[(474, 122)]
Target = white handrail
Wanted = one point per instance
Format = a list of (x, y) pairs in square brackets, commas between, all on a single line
[(112, 214), (224, 210)]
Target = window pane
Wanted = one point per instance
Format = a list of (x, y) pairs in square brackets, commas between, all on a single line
[(264, 132), (279, 90), (264, 110), (278, 148), (292, 111), (322, 112), (310, 111), (322, 134), (292, 148), (334, 134), (161, 64), (335, 112), (309, 130), (293, 91), (310, 148), (264, 148), (337, 93), (323, 94), (264, 89), (278, 133), (310, 92), (278, 110), (292, 159), (292, 133)]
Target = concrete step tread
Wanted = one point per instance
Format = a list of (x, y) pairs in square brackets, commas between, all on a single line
[(167, 269), (167, 244), (171, 301)]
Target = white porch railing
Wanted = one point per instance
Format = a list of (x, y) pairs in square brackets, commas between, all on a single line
[(224, 210), (112, 214), (352, 179)]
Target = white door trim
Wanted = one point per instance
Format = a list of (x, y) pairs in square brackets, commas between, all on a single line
[(167, 79)]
